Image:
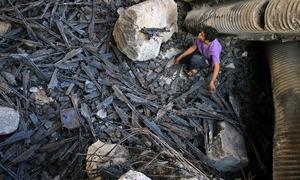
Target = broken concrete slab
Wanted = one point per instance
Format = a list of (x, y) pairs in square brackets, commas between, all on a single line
[(4, 27), (228, 149), (134, 175), (103, 155), (9, 120), (157, 17)]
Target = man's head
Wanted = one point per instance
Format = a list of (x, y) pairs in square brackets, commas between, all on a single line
[(207, 34), (201, 36)]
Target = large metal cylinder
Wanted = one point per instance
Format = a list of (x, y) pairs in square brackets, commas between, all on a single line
[(283, 16), (248, 17), (284, 60)]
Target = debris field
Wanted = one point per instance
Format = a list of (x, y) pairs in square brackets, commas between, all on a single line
[(65, 87)]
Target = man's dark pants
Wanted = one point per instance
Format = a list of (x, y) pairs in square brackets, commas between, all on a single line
[(195, 61), (198, 62)]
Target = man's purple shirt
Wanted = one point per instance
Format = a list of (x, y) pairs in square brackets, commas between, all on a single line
[(212, 52)]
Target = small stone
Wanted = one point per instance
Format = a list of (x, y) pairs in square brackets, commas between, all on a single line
[(134, 175), (230, 66), (120, 11), (33, 89), (245, 54), (103, 155), (101, 113), (4, 27), (89, 86), (168, 80), (9, 120)]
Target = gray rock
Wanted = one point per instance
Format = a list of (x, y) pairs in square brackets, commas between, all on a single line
[(9, 120), (230, 66), (134, 175), (149, 14), (103, 155), (101, 113), (120, 10), (4, 27), (245, 54), (228, 149)]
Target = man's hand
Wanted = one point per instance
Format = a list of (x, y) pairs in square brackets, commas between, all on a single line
[(177, 59), (212, 87), (189, 51)]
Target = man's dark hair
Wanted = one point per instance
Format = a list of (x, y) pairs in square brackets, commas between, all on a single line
[(210, 33)]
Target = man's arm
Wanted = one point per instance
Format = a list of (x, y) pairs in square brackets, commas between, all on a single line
[(214, 77), (189, 51)]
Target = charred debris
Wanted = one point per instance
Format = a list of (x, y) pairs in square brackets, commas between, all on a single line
[(62, 73)]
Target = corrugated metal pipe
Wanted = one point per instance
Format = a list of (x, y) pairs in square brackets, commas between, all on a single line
[(248, 17), (263, 17), (283, 16), (284, 60)]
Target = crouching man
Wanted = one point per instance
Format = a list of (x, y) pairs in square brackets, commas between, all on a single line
[(210, 51)]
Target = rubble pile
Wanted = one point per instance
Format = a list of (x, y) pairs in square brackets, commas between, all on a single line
[(74, 106)]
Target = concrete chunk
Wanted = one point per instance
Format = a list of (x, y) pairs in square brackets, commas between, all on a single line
[(103, 155), (9, 120), (4, 27), (128, 30), (228, 149)]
